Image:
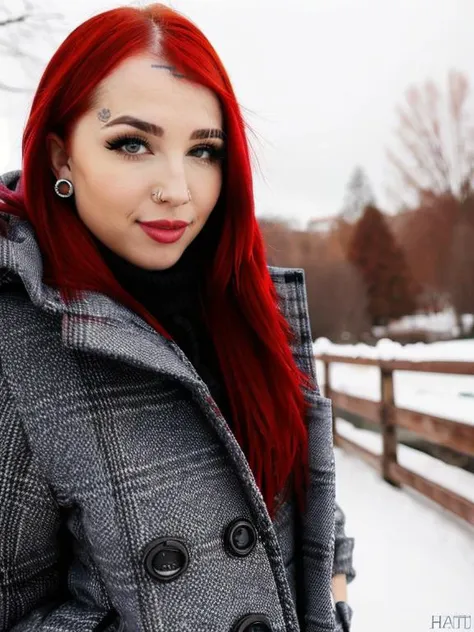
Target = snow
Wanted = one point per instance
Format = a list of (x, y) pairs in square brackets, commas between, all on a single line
[(449, 476), (414, 559), (443, 323), (386, 349)]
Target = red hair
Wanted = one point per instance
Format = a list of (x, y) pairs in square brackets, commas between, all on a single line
[(266, 388)]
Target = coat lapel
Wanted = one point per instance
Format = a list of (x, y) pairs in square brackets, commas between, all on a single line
[(127, 341)]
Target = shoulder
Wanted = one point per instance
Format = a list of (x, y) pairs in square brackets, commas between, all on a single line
[(10, 179), (286, 275), (290, 286), (25, 327), (18, 316)]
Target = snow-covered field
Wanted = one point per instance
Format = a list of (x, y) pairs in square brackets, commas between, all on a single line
[(442, 323), (414, 560), (454, 478)]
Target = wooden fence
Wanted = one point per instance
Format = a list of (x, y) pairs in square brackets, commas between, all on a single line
[(443, 432)]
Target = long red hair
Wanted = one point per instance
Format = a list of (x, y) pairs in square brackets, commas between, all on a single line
[(251, 336)]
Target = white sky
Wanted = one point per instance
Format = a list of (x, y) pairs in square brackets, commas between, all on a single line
[(319, 81)]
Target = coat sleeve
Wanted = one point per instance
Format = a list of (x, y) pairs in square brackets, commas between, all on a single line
[(33, 581), (343, 564), (343, 547)]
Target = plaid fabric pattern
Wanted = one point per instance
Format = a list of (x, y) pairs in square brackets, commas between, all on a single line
[(109, 440)]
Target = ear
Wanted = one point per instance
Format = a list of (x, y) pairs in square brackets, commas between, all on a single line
[(58, 156)]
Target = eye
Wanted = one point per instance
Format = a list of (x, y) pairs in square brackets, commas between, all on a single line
[(209, 152), (128, 145)]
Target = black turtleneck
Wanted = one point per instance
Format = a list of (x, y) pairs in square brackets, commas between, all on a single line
[(175, 298)]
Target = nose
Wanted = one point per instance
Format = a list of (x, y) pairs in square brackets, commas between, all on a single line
[(173, 188)]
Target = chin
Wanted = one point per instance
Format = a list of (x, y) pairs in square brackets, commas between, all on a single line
[(160, 262)]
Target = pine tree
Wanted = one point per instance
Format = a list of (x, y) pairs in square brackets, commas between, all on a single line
[(373, 249), (358, 195)]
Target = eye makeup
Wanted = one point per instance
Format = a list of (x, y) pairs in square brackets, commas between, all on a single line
[(116, 144), (216, 151)]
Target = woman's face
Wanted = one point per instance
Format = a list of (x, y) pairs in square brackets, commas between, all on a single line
[(150, 131)]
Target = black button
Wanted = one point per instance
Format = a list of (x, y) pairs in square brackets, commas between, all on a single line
[(166, 559), (253, 623), (240, 538)]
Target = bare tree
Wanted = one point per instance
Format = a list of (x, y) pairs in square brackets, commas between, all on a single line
[(460, 271), (21, 23), (436, 135)]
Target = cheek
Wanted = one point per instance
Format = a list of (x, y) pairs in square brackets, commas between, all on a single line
[(93, 193), (99, 175), (104, 190), (209, 191)]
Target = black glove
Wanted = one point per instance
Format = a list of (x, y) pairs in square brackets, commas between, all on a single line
[(343, 616)]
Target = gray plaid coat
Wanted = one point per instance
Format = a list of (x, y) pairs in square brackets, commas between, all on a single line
[(121, 483)]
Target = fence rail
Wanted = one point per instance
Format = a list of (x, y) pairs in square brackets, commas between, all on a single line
[(443, 432)]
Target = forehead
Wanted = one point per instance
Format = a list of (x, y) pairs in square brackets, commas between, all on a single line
[(141, 86)]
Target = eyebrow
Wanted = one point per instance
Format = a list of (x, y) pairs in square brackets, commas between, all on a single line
[(156, 130)]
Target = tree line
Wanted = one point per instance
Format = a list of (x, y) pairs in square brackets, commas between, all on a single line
[(382, 267), (368, 267)]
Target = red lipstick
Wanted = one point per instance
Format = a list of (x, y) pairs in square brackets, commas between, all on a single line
[(165, 231)]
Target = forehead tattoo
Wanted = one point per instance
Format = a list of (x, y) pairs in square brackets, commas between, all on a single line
[(172, 69), (104, 115)]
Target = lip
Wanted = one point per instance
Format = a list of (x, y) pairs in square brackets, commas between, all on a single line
[(163, 235), (166, 224)]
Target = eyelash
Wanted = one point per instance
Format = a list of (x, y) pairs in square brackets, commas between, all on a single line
[(116, 144)]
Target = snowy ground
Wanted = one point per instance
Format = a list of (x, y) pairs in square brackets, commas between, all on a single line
[(454, 478), (414, 560), (442, 323)]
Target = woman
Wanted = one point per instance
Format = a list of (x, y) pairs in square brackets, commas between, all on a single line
[(166, 458)]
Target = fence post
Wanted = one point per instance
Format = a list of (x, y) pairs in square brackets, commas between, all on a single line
[(389, 430)]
